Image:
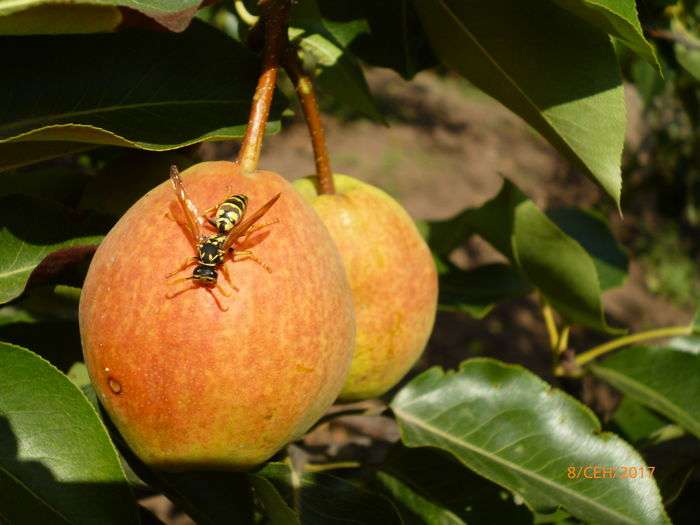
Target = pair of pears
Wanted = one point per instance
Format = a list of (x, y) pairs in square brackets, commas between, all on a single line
[(345, 312)]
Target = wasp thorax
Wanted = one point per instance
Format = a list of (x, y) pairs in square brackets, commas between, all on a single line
[(205, 274)]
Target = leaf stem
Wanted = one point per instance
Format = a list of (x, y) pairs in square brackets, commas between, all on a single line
[(563, 342), (321, 467), (658, 333), (307, 98), (246, 16), (548, 315), (275, 14)]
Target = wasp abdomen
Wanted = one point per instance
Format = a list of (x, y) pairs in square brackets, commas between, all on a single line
[(230, 212)]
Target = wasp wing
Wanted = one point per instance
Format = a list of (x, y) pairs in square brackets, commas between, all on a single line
[(188, 207), (242, 227)]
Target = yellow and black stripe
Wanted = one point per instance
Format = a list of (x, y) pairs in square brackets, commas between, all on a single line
[(230, 212)]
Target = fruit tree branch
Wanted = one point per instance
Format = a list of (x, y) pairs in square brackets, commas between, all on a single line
[(275, 13), (307, 98)]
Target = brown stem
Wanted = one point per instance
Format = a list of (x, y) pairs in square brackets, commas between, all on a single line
[(307, 99), (275, 13)]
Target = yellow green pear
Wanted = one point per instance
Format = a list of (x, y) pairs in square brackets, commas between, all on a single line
[(392, 277)]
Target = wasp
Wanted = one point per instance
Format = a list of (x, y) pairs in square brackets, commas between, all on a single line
[(211, 250)]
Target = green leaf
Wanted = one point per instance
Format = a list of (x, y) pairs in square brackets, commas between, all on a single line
[(593, 234), (57, 464), (511, 427), (687, 48), (147, 90), (545, 64), (276, 509), (635, 422), (26, 238), (432, 488), (396, 38), (666, 379), (325, 499), (55, 19), (337, 21), (54, 16), (477, 291), (340, 76), (617, 18)]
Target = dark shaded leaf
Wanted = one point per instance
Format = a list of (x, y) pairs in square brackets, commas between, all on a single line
[(18, 154), (429, 485), (592, 232), (325, 499), (276, 509), (147, 90), (634, 422), (511, 427), (666, 379), (63, 184), (477, 291), (31, 230), (617, 18), (396, 38), (57, 464), (545, 64), (124, 181)]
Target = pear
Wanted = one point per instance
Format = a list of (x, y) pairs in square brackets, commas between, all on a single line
[(392, 277)]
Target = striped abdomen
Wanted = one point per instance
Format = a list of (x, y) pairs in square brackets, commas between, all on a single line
[(230, 212)]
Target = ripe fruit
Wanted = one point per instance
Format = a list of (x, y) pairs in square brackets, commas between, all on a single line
[(392, 276), (191, 386)]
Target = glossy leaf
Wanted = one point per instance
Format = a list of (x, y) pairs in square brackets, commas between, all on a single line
[(617, 18), (396, 38), (665, 378), (325, 499), (432, 488), (31, 230), (477, 291), (545, 64), (593, 234), (57, 464), (147, 90), (96, 15), (509, 426)]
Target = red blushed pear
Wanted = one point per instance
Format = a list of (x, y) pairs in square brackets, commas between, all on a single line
[(192, 385), (392, 276)]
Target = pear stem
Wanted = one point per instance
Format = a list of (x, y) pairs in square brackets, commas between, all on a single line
[(275, 14), (307, 98)]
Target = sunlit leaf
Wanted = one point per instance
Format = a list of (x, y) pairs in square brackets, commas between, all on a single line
[(26, 238), (551, 68), (57, 464), (511, 427)]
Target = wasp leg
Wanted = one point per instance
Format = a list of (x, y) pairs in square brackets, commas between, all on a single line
[(227, 276), (216, 299), (247, 254), (188, 262), (175, 294)]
